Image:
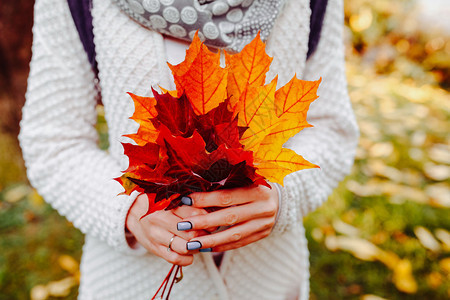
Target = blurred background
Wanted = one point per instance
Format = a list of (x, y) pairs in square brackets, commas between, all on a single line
[(383, 234)]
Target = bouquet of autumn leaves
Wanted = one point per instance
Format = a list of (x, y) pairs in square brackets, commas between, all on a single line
[(221, 128)]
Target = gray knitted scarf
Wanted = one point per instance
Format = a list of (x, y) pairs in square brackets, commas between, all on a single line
[(229, 24)]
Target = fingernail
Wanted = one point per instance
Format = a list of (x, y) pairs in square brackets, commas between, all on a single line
[(182, 226), (206, 250), (186, 200), (194, 245)]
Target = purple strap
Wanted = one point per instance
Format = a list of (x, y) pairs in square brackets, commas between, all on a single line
[(81, 13), (318, 8)]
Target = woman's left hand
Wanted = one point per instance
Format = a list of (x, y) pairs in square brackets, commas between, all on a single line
[(250, 213)]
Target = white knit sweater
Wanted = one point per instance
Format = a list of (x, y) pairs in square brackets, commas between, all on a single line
[(59, 143)]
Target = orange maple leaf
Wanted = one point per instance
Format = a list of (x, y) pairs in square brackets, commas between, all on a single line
[(145, 134), (201, 77), (144, 110), (248, 67), (191, 53), (295, 97)]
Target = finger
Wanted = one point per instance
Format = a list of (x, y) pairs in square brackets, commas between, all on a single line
[(136, 211), (160, 236), (233, 234), (174, 257), (188, 211), (177, 245), (228, 197), (168, 221), (244, 242), (231, 215), (185, 211)]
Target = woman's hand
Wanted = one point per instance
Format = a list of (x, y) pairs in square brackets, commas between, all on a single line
[(250, 213), (155, 231)]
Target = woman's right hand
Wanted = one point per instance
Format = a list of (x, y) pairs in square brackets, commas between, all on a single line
[(155, 231)]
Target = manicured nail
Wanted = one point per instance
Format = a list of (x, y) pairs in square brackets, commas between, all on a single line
[(194, 245), (186, 200), (182, 226), (206, 250)]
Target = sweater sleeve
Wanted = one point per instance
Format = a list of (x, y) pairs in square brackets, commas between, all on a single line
[(58, 135), (331, 143)]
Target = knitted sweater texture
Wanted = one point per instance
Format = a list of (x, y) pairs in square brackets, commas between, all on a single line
[(59, 143)]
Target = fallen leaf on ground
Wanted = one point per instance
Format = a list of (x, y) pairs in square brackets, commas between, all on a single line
[(68, 263), (371, 297), (61, 288), (427, 239), (434, 280), (39, 292), (444, 236), (345, 228), (403, 278)]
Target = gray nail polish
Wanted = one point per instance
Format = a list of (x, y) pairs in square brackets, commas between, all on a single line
[(186, 200), (182, 226), (194, 245), (206, 250)]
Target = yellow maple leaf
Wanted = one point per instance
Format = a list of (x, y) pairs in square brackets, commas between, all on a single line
[(284, 130), (275, 164), (256, 112)]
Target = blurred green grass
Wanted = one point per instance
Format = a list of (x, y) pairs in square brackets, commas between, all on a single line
[(33, 237), (384, 233)]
